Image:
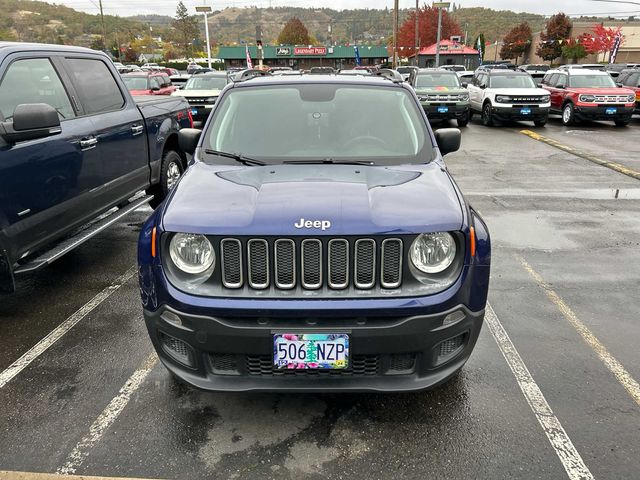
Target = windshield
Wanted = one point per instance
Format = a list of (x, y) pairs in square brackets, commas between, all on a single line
[(320, 122), (512, 81), (430, 80), (136, 83), (591, 81), (205, 83)]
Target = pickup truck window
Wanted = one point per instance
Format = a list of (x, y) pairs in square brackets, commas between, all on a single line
[(33, 80), (97, 88), (317, 122), (591, 81), (136, 83)]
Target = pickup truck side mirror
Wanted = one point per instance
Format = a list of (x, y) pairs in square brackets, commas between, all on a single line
[(448, 140), (188, 139), (465, 84), (31, 121)]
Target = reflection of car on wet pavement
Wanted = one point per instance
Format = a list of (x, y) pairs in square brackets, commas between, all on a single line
[(340, 256)]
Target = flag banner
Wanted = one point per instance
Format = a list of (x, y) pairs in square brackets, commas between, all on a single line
[(249, 63), (357, 54), (480, 50), (615, 49)]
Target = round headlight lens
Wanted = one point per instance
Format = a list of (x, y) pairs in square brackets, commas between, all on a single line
[(433, 252), (503, 99), (632, 98), (191, 253)]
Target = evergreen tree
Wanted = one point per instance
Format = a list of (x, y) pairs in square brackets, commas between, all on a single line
[(186, 29)]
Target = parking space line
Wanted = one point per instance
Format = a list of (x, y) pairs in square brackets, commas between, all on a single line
[(107, 417), (56, 334), (553, 429), (618, 167), (612, 364), (13, 475)]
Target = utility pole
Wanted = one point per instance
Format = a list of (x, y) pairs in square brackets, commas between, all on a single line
[(395, 33), (104, 30), (204, 10), (439, 6), (417, 27)]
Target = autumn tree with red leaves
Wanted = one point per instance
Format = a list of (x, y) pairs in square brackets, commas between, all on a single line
[(601, 39), (516, 42), (558, 29), (428, 28), (294, 33)]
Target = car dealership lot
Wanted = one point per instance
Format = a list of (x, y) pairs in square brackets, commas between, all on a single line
[(565, 280)]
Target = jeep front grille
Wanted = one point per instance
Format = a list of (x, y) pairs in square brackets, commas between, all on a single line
[(311, 263)]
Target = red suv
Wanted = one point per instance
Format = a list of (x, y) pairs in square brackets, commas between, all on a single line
[(631, 79), (152, 83), (582, 94)]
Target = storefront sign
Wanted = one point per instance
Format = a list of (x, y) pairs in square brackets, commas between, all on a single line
[(283, 51), (310, 51)]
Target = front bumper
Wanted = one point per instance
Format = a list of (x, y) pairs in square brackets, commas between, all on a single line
[(454, 111), (387, 353), (600, 112), (516, 113)]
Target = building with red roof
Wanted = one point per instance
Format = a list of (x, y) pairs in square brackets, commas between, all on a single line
[(451, 53)]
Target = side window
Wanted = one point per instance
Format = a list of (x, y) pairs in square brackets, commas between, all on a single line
[(33, 80), (476, 80), (154, 82), (553, 80), (166, 80), (484, 80), (561, 80), (634, 81), (622, 78), (96, 86)]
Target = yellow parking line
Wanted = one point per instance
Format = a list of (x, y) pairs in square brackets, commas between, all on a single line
[(630, 172), (6, 475), (612, 364)]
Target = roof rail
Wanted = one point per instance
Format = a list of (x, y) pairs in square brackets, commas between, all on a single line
[(248, 74), (389, 74)]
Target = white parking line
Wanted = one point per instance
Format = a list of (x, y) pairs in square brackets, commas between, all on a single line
[(38, 349), (107, 417), (560, 441)]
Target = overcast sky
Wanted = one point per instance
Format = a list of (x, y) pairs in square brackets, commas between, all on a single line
[(546, 7)]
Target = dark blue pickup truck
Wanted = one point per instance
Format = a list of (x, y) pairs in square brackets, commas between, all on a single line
[(73, 146)]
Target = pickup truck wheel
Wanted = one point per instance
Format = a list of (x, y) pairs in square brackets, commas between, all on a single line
[(170, 172), (463, 121), (568, 115), (487, 117)]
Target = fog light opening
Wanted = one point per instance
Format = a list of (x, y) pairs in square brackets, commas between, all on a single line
[(178, 350)]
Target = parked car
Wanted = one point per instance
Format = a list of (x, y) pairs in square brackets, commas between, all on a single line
[(179, 81), (408, 72), (150, 65), (193, 67), (148, 83), (442, 95), (332, 251), (630, 79), (74, 144), (534, 68), (170, 71), (362, 73), (201, 91), (504, 95), (582, 94), (466, 77), (454, 68), (322, 71)]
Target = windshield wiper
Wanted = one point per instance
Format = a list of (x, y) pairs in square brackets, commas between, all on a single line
[(238, 157), (331, 161)]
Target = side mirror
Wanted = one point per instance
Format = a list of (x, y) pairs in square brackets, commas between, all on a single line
[(482, 86), (465, 84), (560, 86), (155, 89), (31, 121), (619, 85), (448, 140), (188, 139)]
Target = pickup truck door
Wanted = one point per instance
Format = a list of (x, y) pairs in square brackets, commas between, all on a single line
[(119, 126), (44, 182)]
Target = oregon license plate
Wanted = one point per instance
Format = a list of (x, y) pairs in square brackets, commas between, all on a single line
[(525, 111), (311, 350), (611, 111), (194, 111), (443, 109)]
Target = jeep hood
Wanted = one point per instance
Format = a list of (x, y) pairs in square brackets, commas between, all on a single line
[(357, 200)]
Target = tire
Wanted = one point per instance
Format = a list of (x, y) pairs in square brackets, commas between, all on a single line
[(470, 114), (540, 123), (462, 122), (622, 123), (171, 170), (487, 117), (568, 115)]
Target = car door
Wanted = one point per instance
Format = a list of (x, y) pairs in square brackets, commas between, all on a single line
[(44, 182), (560, 91), (119, 126), (474, 89), (550, 85)]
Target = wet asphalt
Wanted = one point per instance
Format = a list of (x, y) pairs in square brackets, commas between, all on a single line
[(547, 210)]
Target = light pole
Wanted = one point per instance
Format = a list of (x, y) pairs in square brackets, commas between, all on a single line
[(204, 10), (417, 27), (439, 6), (395, 33)]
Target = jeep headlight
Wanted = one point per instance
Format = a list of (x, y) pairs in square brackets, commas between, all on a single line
[(433, 252), (545, 99), (632, 98), (192, 253), (587, 98), (503, 99)]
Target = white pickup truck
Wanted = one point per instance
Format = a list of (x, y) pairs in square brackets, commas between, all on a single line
[(505, 95)]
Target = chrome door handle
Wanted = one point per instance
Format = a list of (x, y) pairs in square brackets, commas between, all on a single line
[(88, 143), (137, 129)]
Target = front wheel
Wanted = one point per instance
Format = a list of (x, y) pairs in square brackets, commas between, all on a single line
[(464, 120), (487, 116), (568, 115), (540, 123), (170, 172)]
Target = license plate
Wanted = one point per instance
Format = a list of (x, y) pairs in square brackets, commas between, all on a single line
[(525, 111), (194, 111), (443, 109), (611, 111), (311, 351)]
